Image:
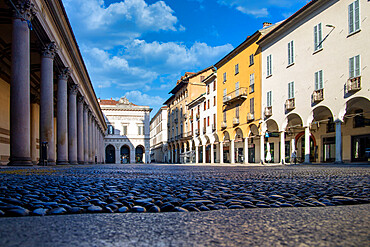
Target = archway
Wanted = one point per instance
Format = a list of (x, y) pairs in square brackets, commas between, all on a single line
[(226, 148), (216, 148), (208, 149), (139, 154), (253, 144), (125, 154), (293, 127), (110, 156), (272, 141), (239, 146)]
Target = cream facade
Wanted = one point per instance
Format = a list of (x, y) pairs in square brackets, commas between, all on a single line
[(315, 90), (158, 137), (46, 95), (127, 138)]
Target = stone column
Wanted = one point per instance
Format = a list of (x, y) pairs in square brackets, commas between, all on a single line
[(62, 118), (204, 154), (86, 134), (196, 154), (338, 141), (246, 161), (94, 140), (47, 100), (212, 154), (72, 125), (307, 145), (34, 131), (282, 147), (80, 130), (221, 152), (190, 149), (262, 148), (20, 153), (90, 138), (232, 151)]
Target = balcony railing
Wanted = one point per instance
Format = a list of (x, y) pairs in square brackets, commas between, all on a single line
[(176, 120), (188, 134), (353, 84), (223, 125), (250, 116), (197, 132), (290, 104), (268, 111), (204, 130), (213, 127), (197, 116), (235, 121), (239, 94), (317, 95)]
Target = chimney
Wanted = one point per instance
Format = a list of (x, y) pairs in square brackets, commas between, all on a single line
[(266, 24)]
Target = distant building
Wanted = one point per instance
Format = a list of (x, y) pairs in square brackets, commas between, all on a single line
[(127, 139), (158, 136)]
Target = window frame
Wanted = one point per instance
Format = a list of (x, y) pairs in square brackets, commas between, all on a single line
[(236, 69), (354, 23), (319, 80), (291, 53), (269, 65), (291, 90), (269, 99), (355, 70), (251, 59), (317, 32)]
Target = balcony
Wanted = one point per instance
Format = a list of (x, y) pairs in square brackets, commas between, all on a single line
[(204, 130), (197, 116), (185, 115), (251, 88), (197, 132), (290, 104), (213, 127), (223, 125), (250, 116), (188, 134), (353, 84), (176, 120), (317, 95), (268, 111), (239, 94), (236, 121)]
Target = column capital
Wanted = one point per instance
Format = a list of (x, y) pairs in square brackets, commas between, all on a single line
[(73, 89), (81, 99), (64, 74), (25, 10), (49, 50)]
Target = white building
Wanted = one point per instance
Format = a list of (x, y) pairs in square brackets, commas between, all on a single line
[(203, 116), (315, 83), (127, 139), (158, 136)]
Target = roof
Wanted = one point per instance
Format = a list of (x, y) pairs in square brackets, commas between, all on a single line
[(108, 102), (288, 20), (249, 40), (199, 99), (169, 99)]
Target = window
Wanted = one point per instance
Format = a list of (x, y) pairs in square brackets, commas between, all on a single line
[(208, 89), (354, 66), (251, 104), (214, 100), (201, 78), (251, 83), (214, 120), (318, 80), (269, 98), (214, 85), (140, 130), (204, 122), (225, 92), (291, 90), (110, 130), (269, 65), (208, 121), (237, 89), (251, 59), (237, 111), (208, 104), (224, 77), (124, 130), (236, 69), (205, 105), (224, 116), (354, 17), (290, 53), (317, 37)]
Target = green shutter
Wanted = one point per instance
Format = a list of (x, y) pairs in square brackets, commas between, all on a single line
[(321, 86), (319, 36), (351, 67), (315, 37), (356, 15), (350, 18), (316, 80), (289, 62), (292, 53), (357, 66)]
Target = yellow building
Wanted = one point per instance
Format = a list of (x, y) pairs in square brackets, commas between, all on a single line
[(239, 101), (180, 132)]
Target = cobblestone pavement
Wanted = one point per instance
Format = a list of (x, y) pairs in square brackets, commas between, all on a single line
[(155, 188)]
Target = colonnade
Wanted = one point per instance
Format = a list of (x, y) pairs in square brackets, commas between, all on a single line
[(79, 137)]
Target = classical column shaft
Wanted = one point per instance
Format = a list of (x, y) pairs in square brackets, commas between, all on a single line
[(20, 153), (307, 145), (72, 125), (212, 154), (246, 151), (232, 151), (34, 131), (262, 148), (282, 147), (338, 141), (86, 135), (47, 101), (221, 152), (62, 119), (196, 154), (90, 139), (80, 131), (204, 154)]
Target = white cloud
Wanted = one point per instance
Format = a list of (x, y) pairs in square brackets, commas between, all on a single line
[(140, 98), (255, 12)]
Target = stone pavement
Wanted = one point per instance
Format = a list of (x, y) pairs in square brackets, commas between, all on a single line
[(324, 226)]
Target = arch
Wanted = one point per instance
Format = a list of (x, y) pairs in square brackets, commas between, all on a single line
[(139, 154), (238, 134), (215, 137), (110, 154), (253, 130), (319, 113), (292, 120), (125, 154), (272, 125), (226, 136), (353, 104), (206, 140)]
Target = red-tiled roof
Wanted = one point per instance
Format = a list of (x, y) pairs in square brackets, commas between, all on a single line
[(108, 102)]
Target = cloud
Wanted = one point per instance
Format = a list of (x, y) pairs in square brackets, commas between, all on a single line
[(140, 98), (255, 12)]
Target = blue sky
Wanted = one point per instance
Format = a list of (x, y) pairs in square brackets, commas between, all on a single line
[(139, 48)]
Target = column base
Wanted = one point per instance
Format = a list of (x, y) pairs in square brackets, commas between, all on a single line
[(20, 161), (81, 162), (338, 162), (62, 162), (73, 162)]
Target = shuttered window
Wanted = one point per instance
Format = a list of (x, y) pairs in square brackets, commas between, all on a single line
[(354, 17), (269, 98), (269, 65), (317, 37), (291, 90), (318, 80), (290, 53), (354, 66)]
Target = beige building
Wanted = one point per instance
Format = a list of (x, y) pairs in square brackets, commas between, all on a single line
[(127, 139), (45, 91), (315, 84), (158, 136)]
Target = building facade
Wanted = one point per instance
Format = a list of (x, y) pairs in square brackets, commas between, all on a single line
[(315, 84), (46, 96), (158, 137), (127, 138)]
